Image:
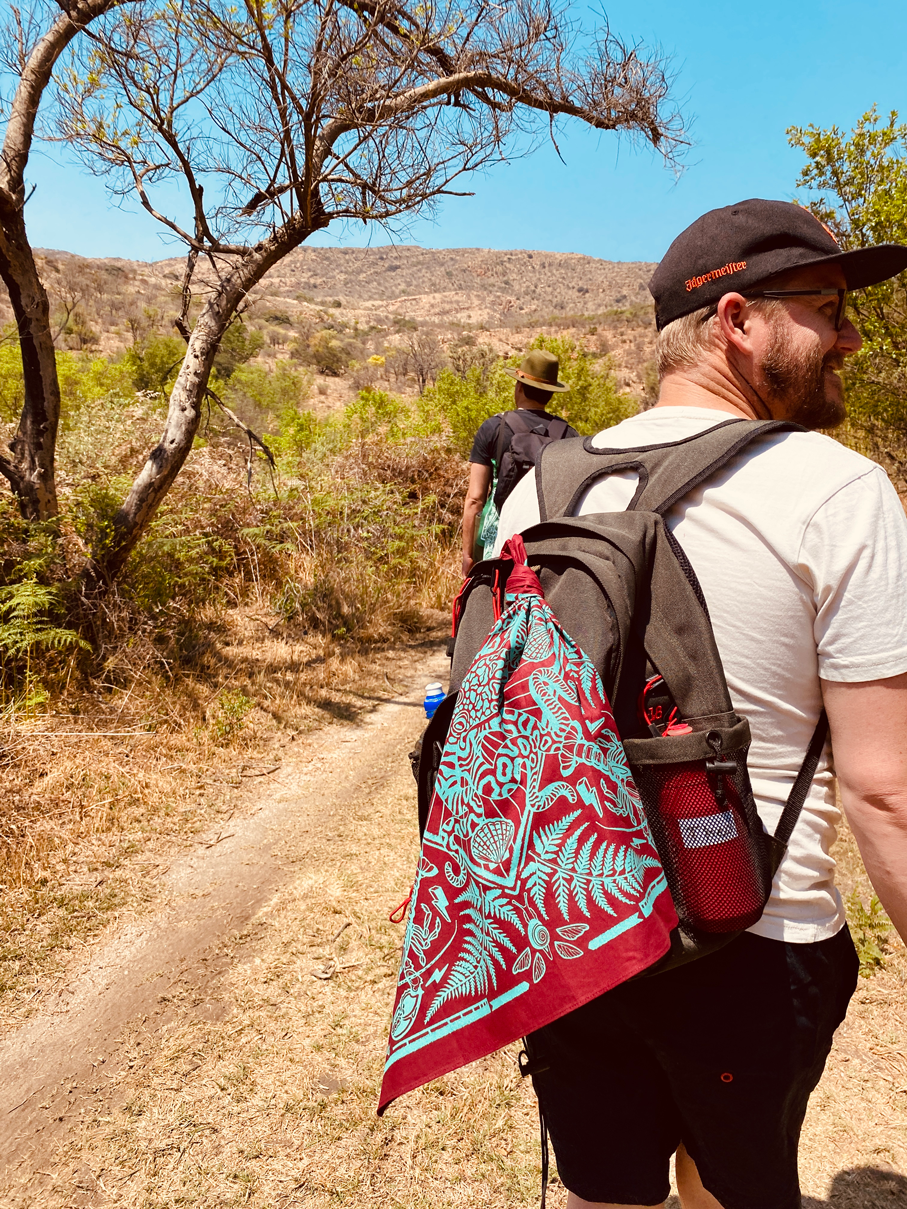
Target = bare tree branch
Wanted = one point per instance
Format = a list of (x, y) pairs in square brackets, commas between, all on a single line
[(278, 117)]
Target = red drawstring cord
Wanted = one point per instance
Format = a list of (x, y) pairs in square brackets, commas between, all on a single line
[(398, 914), (519, 578)]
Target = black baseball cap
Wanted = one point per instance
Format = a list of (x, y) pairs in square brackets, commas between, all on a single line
[(737, 247)]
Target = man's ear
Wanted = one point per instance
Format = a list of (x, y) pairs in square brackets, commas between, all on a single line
[(733, 319)]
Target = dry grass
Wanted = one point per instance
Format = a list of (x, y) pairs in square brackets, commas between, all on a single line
[(94, 803), (261, 1090)]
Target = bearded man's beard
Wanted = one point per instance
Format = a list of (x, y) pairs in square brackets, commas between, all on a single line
[(800, 383)]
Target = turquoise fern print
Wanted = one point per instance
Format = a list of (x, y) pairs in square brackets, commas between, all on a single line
[(539, 884)]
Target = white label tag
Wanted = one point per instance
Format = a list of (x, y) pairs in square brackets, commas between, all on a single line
[(708, 829)]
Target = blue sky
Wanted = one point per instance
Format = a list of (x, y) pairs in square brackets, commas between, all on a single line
[(744, 74)]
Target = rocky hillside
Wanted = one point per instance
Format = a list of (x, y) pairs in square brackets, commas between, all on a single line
[(462, 285), (498, 299)]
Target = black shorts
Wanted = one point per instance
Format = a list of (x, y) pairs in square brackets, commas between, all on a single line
[(721, 1054)]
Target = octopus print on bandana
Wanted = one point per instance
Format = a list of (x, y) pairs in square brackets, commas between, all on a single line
[(538, 886)]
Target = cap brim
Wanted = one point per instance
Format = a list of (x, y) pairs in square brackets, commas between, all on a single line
[(864, 266), (536, 382)]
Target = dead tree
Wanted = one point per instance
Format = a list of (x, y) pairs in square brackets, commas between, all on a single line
[(280, 118), (425, 356), (32, 52)]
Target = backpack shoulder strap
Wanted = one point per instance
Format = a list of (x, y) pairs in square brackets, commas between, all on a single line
[(800, 787), (557, 429), (667, 472), (499, 448), (517, 423)]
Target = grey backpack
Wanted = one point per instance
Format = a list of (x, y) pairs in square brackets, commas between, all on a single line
[(623, 589)]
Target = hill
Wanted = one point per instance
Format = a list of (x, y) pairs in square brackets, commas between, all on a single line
[(369, 296)]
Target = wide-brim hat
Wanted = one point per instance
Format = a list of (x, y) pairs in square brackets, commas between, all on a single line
[(539, 369), (737, 247)]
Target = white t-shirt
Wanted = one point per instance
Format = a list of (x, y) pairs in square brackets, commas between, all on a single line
[(800, 546)]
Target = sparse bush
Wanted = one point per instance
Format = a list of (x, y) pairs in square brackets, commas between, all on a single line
[(229, 715), (466, 353), (154, 362), (78, 332), (269, 399), (327, 352), (239, 344), (83, 381), (870, 928)]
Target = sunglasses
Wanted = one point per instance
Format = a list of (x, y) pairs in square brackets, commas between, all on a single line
[(841, 296)]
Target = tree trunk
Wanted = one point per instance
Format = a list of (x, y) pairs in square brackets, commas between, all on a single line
[(31, 470), (184, 411)]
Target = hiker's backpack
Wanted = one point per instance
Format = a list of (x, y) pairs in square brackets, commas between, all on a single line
[(622, 588), (523, 452)]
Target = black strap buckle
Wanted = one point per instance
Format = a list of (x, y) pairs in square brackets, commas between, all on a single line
[(530, 1065)]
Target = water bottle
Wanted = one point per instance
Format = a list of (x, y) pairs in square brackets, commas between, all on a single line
[(434, 695), (708, 852)]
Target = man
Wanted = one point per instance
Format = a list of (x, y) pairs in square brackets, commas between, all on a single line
[(493, 447), (800, 547)]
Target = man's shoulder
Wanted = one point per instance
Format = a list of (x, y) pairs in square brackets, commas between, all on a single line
[(484, 442), (492, 422), (798, 463), (808, 461)]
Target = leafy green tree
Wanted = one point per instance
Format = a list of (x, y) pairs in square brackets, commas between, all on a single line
[(238, 345), (856, 183), (153, 363), (327, 352)]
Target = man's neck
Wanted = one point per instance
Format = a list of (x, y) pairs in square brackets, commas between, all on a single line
[(712, 387)]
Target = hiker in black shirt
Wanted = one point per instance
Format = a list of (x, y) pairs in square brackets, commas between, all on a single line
[(506, 446)]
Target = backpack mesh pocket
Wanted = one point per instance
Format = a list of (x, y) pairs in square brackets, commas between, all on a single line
[(710, 839)]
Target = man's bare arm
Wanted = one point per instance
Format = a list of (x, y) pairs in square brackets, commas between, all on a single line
[(476, 495), (869, 741)]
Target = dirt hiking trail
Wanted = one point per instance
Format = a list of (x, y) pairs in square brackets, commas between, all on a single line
[(226, 1048)]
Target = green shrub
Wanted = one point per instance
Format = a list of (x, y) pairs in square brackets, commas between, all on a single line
[(83, 380), (376, 411), (154, 362), (239, 344), (870, 928), (272, 402), (459, 405), (229, 715), (328, 352), (269, 390), (298, 431)]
